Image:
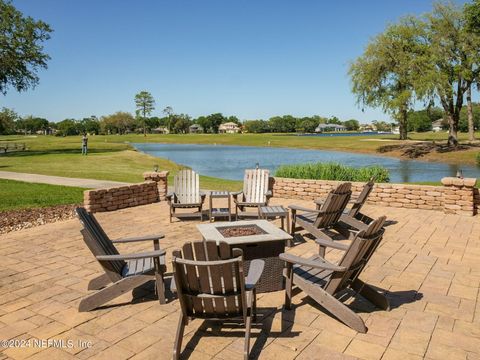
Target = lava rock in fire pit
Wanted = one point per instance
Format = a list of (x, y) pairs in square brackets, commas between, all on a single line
[(235, 231)]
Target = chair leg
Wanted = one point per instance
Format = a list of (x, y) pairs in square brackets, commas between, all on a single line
[(160, 288), (372, 295), (177, 347), (99, 282), (254, 294), (109, 293), (293, 226), (288, 286), (321, 251), (333, 305), (248, 326)]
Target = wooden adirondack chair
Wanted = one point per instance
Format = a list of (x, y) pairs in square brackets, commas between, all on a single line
[(255, 193), (122, 272), (324, 282), (186, 195), (324, 218), (211, 285)]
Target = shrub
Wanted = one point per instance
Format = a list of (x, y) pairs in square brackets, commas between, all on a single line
[(332, 171)]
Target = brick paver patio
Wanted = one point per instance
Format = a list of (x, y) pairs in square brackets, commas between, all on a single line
[(428, 261)]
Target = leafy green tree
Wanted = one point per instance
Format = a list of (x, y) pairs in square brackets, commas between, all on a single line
[(145, 105), (168, 111), (465, 122), (68, 127), (382, 125), (384, 76), (119, 123), (472, 18), (211, 122), (452, 62), (31, 124), (352, 125), (256, 126), (215, 121), (180, 123), (334, 120), (419, 121), (306, 125), (21, 49), (7, 121), (90, 125), (282, 124)]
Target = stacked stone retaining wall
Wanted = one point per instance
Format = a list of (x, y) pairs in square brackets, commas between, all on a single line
[(154, 189), (456, 196)]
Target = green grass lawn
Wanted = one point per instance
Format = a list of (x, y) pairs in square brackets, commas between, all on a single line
[(109, 158), (16, 195)]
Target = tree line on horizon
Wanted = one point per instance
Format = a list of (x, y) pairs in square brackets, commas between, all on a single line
[(123, 122)]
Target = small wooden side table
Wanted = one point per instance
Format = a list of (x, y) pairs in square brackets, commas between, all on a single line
[(220, 212), (272, 212)]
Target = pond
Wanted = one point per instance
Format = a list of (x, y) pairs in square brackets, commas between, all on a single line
[(229, 162)]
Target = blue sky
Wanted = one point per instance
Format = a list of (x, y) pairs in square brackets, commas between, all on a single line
[(252, 59)]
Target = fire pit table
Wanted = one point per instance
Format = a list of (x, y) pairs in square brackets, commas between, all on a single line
[(259, 239)]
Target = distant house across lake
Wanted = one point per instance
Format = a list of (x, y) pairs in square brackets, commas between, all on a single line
[(195, 129), (160, 130), (228, 128), (330, 127), (437, 125)]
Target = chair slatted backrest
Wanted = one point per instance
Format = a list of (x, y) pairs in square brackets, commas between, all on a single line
[(98, 242), (334, 205), (210, 281), (362, 198), (187, 187), (255, 185), (357, 255)]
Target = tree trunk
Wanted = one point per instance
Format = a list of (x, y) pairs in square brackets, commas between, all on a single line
[(471, 130), (402, 124), (453, 129), (144, 124)]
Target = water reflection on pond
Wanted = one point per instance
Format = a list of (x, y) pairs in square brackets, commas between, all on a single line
[(229, 162)]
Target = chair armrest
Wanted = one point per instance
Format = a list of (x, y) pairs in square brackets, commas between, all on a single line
[(352, 222), (301, 208), (139, 238), (254, 273), (235, 195), (331, 244), (145, 255), (171, 196), (317, 263), (319, 201)]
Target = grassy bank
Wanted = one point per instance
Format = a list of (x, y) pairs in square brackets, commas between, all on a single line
[(109, 158), (17, 195)]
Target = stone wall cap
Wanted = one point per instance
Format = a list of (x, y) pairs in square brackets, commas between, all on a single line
[(468, 182), (155, 174)]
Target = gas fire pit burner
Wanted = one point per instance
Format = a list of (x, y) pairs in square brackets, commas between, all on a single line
[(240, 230)]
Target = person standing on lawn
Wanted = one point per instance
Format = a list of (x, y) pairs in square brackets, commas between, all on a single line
[(84, 144)]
